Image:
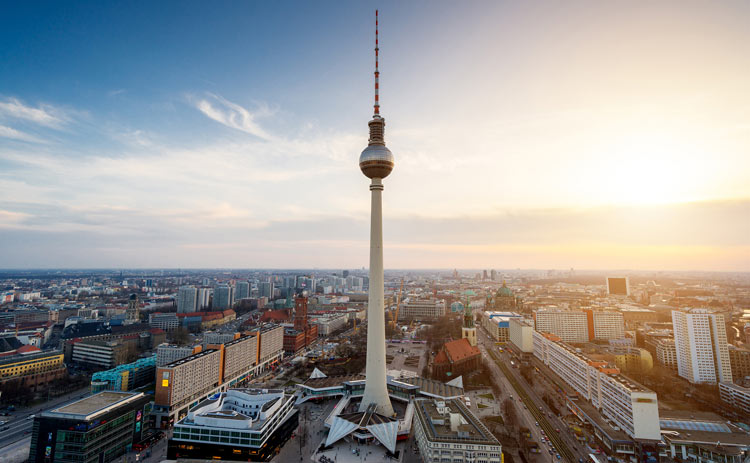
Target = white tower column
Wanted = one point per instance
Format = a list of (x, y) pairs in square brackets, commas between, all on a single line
[(376, 389)]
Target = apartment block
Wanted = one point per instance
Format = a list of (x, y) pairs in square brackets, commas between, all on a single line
[(522, 335), (701, 343), (168, 353), (627, 404), (568, 325), (578, 326), (186, 381), (240, 356), (735, 395), (220, 366), (666, 353), (739, 358), (607, 324)]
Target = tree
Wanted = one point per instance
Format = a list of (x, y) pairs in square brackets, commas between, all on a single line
[(509, 410), (181, 336)]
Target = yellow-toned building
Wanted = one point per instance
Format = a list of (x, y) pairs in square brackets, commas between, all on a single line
[(633, 359), (31, 366)]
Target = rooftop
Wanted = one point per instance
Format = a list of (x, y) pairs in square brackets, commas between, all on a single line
[(433, 388), (705, 428), (91, 406), (460, 349), (190, 358), (451, 421)]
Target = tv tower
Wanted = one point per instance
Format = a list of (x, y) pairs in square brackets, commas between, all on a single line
[(376, 162)]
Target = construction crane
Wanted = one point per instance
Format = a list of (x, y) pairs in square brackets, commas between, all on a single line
[(394, 317)]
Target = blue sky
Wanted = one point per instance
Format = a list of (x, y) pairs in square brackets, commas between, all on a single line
[(193, 134)]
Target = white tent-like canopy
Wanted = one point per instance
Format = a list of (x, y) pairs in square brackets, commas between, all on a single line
[(458, 382), (317, 374)]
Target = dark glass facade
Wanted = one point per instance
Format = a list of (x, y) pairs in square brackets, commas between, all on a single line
[(99, 440)]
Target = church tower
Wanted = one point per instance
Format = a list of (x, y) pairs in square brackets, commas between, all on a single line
[(469, 331)]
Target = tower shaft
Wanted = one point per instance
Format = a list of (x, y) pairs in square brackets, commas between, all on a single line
[(376, 389)]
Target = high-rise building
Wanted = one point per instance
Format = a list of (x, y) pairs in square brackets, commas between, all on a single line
[(619, 286), (701, 343), (493, 275), (187, 299), (133, 312), (223, 297), (204, 298), (242, 290), (265, 289), (376, 162)]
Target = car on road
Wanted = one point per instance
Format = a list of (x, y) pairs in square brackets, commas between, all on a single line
[(536, 423)]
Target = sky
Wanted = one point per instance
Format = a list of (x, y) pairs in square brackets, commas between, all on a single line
[(592, 135)]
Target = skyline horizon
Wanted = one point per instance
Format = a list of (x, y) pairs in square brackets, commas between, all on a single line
[(594, 137)]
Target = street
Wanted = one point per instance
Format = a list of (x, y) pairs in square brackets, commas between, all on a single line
[(540, 417), (19, 423)]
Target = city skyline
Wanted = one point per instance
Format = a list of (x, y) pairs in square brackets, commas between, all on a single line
[(194, 145)]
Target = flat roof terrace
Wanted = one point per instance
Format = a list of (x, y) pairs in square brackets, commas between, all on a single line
[(438, 425), (89, 407)]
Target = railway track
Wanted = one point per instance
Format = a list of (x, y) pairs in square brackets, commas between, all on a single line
[(538, 415)]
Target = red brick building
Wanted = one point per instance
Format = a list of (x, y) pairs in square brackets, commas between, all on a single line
[(454, 359)]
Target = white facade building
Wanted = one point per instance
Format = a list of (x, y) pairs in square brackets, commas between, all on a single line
[(701, 344), (187, 299), (578, 326), (632, 407), (204, 298), (168, 353), (446, 431), (422, 309), (666, 353), (330, 323), (608, 324), (164, 321), (522, 335), (735, 395), (568, 325)]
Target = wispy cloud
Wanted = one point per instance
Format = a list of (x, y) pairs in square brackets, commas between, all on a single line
[(9, 132), (45, 115), (233, 115)]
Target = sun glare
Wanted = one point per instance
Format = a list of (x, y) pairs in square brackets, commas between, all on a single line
[(651, 169)]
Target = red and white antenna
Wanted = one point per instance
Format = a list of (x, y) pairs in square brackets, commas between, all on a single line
[(377, 72)]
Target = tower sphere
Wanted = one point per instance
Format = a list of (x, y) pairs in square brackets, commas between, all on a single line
[(376, 161)]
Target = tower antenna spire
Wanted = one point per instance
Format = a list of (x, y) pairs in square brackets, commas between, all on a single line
[(377, 72)]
